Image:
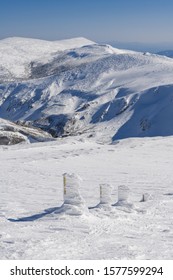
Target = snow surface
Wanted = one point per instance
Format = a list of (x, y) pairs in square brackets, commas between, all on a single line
[(100, 97), (32, 225), (16, 53)]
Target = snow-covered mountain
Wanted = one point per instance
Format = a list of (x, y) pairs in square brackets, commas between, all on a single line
[(18, 54), (76, 87), (93, 92)]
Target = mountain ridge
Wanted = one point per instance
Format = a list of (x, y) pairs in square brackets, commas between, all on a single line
[(91, 90)]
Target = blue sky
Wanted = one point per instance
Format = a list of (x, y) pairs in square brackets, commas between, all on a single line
[(145, 21)]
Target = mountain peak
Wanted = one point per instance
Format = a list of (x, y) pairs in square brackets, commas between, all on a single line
[(75, 86)]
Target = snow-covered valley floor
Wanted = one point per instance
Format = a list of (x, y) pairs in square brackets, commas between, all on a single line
[(31, 189)]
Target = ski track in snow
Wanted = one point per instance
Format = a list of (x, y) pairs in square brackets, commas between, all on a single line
[(32, 190)]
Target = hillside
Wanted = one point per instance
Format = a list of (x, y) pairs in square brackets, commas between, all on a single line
[(76, 87)]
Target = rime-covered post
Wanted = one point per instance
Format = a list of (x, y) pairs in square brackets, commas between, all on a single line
[(123, 193), (105, 194), (146, 197), (74, 204)]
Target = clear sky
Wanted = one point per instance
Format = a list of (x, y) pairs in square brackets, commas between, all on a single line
[(143, 21)]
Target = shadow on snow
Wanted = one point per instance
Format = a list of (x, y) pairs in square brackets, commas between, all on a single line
[(37, 216)]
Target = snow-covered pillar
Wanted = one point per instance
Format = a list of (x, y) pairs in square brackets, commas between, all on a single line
[(146, 197), (74, 204), (105, 194), (123, 193)]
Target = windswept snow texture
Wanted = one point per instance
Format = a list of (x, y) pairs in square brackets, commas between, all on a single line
[(76, 87), (33, 225)]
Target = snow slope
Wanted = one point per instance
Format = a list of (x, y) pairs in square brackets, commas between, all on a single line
[(78, 87), (32, 226), (16, 54)]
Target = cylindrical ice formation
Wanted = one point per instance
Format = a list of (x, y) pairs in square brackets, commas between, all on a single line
[(105, 194), (73, 201), (123, 193)]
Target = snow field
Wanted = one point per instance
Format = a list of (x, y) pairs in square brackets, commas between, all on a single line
[(31, 186)]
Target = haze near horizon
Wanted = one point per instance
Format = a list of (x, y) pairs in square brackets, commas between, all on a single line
[(147, 23)]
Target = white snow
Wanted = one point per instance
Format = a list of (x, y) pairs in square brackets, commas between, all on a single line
[(123, 193), (73, 204), (101, 97), (31, 189), (105, 194), (77, 86), (16, 53)]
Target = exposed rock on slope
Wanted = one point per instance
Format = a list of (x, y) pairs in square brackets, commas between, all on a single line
[(11, 133)]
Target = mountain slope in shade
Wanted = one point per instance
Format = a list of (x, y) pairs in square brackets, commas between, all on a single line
[(78, 87), (152, 114)]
